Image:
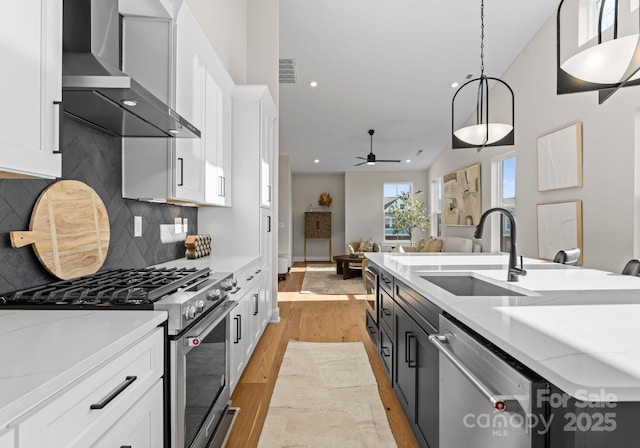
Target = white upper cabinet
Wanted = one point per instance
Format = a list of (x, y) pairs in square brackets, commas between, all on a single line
[(217, 141), (266, 153), (31, 88), (187, 171), (190, 103)]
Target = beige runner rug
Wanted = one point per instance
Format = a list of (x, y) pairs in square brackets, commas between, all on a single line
[(326, 396), (322, 279)]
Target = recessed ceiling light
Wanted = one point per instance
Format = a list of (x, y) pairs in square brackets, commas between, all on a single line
[(129, 103), (316, 161), (174, 131), (454, 85), (313, 84), (408, 160)]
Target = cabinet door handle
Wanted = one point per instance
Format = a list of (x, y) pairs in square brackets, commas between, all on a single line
[(237, 319), (117, 391), (268, 224), (385, 352), (407, 334), (411, 362), (256, 304), (372, 329), (181, 160), (386, 312), (56, 126)]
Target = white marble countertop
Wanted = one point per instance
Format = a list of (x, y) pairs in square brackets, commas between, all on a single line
[(578, 328), (42, 351), (217, 263)]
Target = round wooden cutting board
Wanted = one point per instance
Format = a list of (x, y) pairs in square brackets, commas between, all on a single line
[(69, 230)]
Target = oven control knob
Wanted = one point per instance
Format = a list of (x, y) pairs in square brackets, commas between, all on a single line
[(227, 284), (199, 306), (234, 282), (190, 312), (213, 295)]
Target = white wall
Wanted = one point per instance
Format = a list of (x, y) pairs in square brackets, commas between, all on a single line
[(306, 190), (285, 208), (364, 215), (609, 148), (225, 24)]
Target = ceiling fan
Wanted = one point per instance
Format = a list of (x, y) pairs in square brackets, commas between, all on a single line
[(371, 157)]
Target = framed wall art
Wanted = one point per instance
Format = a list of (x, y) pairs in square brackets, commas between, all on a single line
[(559, 228), (462, 200), (560, 158)]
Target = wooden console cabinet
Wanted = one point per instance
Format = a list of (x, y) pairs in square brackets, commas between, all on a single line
[(317, 226)]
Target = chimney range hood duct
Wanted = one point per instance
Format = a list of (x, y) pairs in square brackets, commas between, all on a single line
[(96, 91)]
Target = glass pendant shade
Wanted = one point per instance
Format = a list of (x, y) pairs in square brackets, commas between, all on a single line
[(605, 63), (476, 134)]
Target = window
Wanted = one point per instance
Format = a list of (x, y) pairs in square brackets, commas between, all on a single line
[(506, 197), (391, 193), (436, 207), (590, 15)]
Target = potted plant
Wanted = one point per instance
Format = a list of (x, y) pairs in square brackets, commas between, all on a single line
[(409, 213)]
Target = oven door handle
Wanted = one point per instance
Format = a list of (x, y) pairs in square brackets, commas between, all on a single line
[(202, 329)]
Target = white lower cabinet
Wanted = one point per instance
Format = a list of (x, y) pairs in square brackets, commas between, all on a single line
[(8, 439), (92, 411), (140, 426), (248, 320)]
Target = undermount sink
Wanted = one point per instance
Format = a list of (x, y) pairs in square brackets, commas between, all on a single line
[(467, 285)]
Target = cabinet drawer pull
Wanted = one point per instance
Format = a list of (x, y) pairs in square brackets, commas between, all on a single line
[(386, 312), (385, 352), (118, 390), (125, 446), (386, 280), (372, 329)]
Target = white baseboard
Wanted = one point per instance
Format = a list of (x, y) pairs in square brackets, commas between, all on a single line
[(275, 316), (325, 258)]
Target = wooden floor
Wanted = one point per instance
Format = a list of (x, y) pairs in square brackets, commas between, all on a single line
[(313, 318)]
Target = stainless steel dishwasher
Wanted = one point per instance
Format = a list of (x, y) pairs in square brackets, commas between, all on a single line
[(486, 398)]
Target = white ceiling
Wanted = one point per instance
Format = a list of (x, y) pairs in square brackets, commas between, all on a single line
[(388, 65)]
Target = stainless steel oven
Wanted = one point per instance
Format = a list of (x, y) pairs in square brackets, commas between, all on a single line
[(199, 372), (371, 285)]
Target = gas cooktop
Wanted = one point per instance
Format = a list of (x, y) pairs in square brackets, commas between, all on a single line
[(118, 288)]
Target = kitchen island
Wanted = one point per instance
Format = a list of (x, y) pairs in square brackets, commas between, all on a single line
[(570, 333), (576, 327)]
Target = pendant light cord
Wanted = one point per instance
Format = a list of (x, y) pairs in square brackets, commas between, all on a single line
[(482, 38)]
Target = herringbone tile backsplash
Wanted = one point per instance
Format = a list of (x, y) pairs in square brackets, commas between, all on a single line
[(96, 159)]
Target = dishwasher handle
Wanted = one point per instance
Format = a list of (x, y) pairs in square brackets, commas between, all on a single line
[(438, 340)]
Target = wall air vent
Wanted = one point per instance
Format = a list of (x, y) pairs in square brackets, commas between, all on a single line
[(287, 71)]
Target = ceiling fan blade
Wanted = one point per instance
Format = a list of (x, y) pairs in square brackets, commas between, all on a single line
[(358, 164), (388, 161), (363, 158)]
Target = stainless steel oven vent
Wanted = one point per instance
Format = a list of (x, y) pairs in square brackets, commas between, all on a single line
[(287, 71)]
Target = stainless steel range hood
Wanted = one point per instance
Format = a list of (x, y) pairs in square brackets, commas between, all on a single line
[(96, 91)]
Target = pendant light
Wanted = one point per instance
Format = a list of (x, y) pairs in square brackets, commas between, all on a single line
[(611, 62), (484, 132), (607, 62)]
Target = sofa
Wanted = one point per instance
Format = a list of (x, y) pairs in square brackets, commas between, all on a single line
[(445, 244), (364, 245)]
